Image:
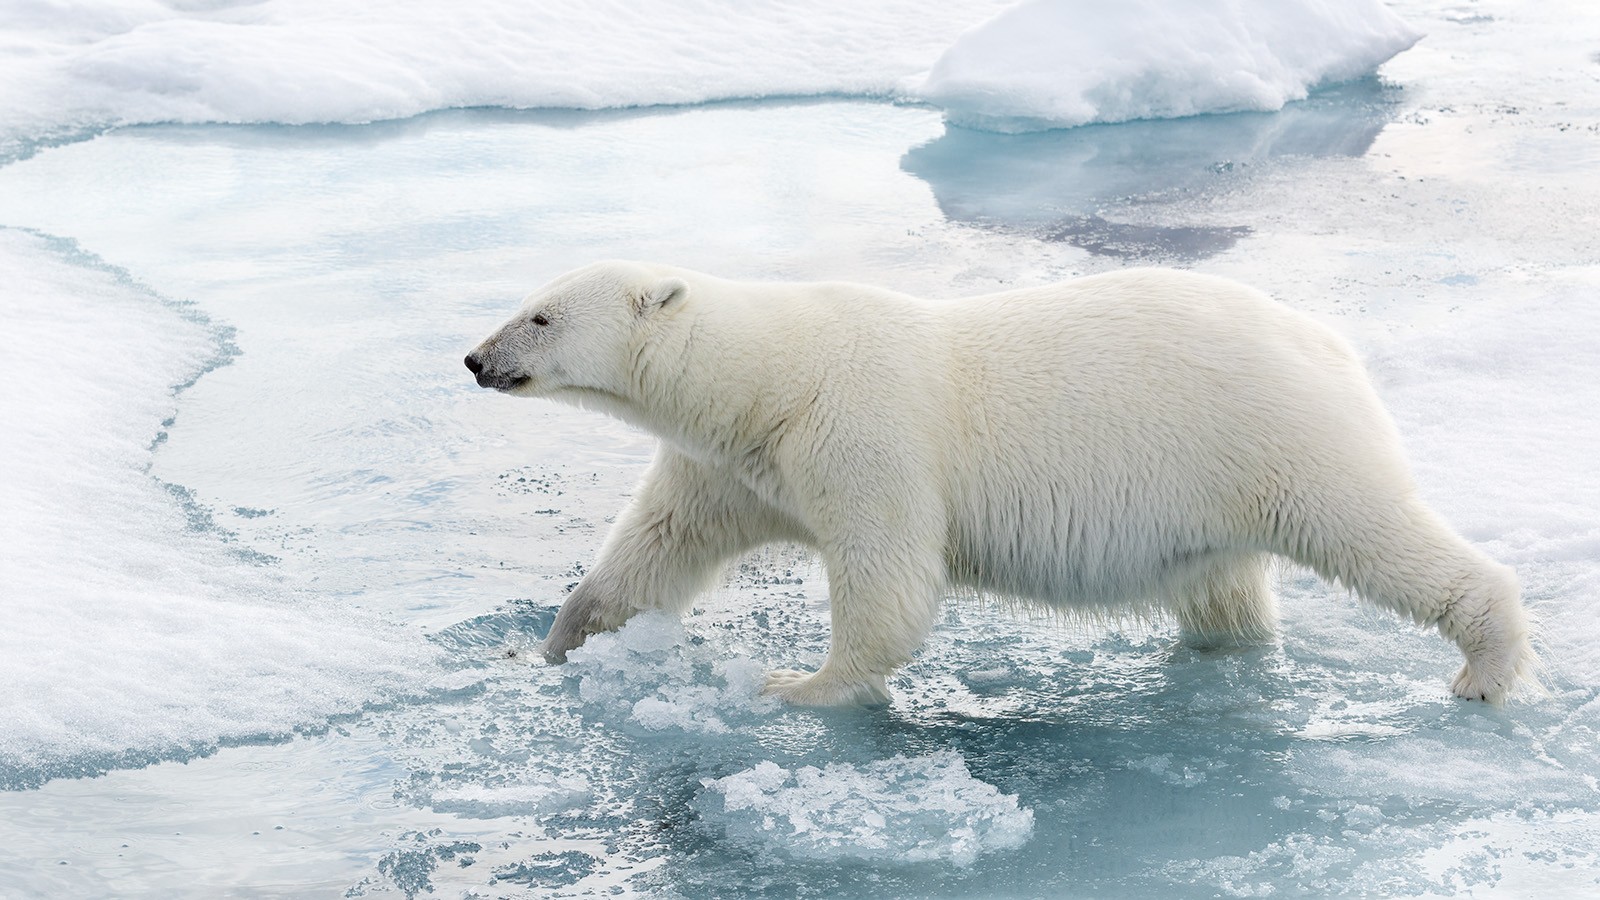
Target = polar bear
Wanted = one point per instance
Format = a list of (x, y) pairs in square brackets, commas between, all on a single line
[(1142, 439)]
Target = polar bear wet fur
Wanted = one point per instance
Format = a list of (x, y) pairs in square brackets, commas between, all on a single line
[(1140, 439)]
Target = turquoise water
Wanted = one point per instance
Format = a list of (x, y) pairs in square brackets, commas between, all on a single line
[(340, 451)]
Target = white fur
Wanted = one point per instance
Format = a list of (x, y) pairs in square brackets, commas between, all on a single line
[(1135, 439)]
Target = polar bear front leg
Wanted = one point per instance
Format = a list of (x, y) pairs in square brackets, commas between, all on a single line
[(667, 546), (881, 610)]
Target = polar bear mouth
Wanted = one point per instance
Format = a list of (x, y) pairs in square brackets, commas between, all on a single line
[(501, 382)]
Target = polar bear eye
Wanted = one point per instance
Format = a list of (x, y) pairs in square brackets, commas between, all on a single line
[(540, 320)]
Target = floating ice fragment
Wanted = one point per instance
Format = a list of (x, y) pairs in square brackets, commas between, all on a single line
[(647, 673), (551, 794), (1058, 63), (923, 809)]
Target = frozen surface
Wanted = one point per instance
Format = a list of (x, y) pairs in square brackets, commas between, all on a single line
[(1052, 64), (75, 67), (78, 65), (335, 568), (134, 628)]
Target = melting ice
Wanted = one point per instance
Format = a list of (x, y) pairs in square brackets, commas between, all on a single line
[(895, 810)]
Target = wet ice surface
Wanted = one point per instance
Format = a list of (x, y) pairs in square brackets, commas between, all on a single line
[(1444, 221)]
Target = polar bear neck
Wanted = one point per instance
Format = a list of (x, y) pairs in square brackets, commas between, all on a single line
[(702, 382)]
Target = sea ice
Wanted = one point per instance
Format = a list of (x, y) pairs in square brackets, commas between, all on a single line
[(1053, 64), (76, 65), (133, 629), (897, 810)]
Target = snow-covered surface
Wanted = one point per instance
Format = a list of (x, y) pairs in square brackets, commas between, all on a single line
[(84, 64), (1058, 63), (76, 66), (339, 487), (133, 628)]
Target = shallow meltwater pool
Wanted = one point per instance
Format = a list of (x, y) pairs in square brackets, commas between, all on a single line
[(283, 568)]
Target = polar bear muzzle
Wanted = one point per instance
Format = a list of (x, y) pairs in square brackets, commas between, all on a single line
[(490, 377)]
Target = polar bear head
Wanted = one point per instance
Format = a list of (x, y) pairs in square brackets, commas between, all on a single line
[(579, 334)]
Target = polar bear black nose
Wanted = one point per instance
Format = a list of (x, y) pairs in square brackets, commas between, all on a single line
[(473, 365)]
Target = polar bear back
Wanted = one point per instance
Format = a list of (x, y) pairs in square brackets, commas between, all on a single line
[(1116, 429)]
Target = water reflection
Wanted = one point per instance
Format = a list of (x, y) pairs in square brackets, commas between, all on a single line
[(1058, 185)]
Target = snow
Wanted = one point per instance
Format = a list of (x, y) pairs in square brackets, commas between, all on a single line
[(67, 66), (1058, 63), (1516, 382), (73, 67)]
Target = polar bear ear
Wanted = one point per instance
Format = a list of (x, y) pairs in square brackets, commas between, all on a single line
[(662, 294)]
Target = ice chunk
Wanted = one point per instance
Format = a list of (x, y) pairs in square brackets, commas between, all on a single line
[(1058, 63), (648, 673), (901, 809)]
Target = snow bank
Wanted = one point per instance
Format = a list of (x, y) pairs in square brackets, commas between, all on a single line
[(1058, 63), (131, 631), (71, 65), (67, 64), (901, 809)]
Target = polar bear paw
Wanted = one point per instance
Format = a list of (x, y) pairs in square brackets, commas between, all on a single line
[(825, 689), (1491, 674), (1488, 683)]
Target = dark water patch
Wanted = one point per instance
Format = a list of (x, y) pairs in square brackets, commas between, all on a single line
[(409, 869), (547, 870), (1103, 237), (200, 519)]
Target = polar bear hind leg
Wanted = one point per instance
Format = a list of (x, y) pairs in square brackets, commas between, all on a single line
[(1410, 561)]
